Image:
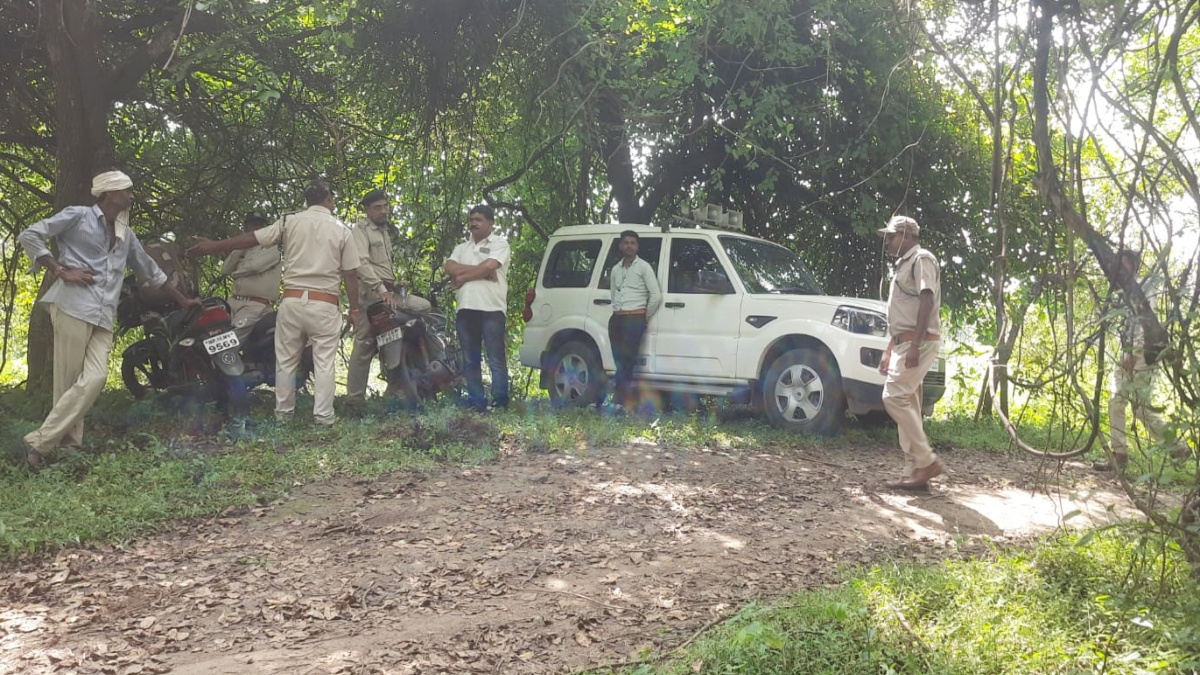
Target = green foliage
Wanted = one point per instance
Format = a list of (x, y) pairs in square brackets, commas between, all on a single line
[(1096, 603)]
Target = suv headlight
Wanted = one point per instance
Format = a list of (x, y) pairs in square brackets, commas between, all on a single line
[(861, 321)]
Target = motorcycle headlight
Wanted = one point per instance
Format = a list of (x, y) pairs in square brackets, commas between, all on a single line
[(861, 321)]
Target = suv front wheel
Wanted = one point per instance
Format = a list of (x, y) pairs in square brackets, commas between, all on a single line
[(576, 376), (803, 392)]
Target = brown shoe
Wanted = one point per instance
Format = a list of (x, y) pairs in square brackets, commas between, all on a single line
[(1119, 462), (920, 478), (33, 458)]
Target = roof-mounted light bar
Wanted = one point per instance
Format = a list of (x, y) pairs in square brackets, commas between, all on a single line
[(709, 215)]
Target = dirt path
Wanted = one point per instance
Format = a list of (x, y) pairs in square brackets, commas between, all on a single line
[(538, 563)]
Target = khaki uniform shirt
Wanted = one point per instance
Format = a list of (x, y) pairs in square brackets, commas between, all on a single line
[(374, 244), (256, 272), (915, 271), (484, 294), (316, 248)]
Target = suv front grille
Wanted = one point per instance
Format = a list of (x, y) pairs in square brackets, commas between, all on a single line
[(937, 378)]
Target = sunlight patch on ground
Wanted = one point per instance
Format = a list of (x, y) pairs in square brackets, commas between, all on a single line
[(995, 511), (670, 494)]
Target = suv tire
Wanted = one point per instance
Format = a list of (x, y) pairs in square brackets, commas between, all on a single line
[(803, 392), (577, 376)]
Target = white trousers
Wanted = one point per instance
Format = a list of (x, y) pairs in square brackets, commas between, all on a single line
[(902, 399), (1133, 388), (304, 321), (80, 371)]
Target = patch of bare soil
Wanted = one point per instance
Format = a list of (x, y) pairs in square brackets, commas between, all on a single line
[(538, 563)]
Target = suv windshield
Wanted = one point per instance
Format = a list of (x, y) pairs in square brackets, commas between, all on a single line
[(769, 268)]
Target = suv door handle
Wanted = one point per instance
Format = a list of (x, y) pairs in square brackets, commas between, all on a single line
[(600, 301), (675, 304)]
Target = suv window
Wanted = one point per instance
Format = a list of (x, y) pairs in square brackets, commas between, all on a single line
[(571, 264), (769, 268), (695, 268), (649, 249)]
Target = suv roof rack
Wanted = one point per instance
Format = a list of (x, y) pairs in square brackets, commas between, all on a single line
[(709, 215)]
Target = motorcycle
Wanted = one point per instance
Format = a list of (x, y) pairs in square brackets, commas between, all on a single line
[(192, 353), (415, 357), (258, 356)]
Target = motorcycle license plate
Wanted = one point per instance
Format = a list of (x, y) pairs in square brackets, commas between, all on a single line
[(220, 343), (389, 337)]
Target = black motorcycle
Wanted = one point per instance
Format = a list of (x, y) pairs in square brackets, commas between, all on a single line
[(415, 357), (191, 353), (258, 356)]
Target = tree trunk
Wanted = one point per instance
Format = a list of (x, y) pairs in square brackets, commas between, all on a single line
[(83, 145), (618, 160)]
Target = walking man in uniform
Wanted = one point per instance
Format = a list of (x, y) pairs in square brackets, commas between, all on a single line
[(95, 245), (636, 296), (914, 302), (376, 282), (256, 274), (1132, 381), (478, 270), (318, 254)]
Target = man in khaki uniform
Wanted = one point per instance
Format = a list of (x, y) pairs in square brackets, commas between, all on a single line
[(318, 254), (377, 281), (95, 244), (913, 306), (1132, 382), (256, 274)]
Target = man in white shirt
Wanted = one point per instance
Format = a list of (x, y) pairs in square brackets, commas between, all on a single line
[(256, 274), (95, 245), (636, 296), (478, 270)]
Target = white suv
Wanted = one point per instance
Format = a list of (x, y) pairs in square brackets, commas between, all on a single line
[(741, 317)]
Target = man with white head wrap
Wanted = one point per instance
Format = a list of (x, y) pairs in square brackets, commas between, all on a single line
[(95, 245)]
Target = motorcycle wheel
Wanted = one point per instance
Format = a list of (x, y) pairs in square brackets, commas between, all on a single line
[(140, 373)]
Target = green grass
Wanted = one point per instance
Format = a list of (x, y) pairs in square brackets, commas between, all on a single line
[(1100, 603), (145, 466), (143, 469)]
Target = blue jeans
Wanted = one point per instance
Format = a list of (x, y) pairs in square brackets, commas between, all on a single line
[(479, 330)]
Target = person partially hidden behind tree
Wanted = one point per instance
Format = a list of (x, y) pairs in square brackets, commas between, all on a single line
[(95, 245), (1132, 381), (256, 274)]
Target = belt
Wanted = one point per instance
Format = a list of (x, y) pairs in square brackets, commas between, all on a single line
[(253, 298), (910, 335), (322, 296), (630, 312)]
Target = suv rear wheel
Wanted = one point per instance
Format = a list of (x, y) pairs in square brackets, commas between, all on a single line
[(576, 376), (803, 392)]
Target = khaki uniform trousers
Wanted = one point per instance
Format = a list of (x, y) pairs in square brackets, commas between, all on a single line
[(81, 353), (902, 399), (1134, 388), (303, 321), (362, 355), (246, 313)]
